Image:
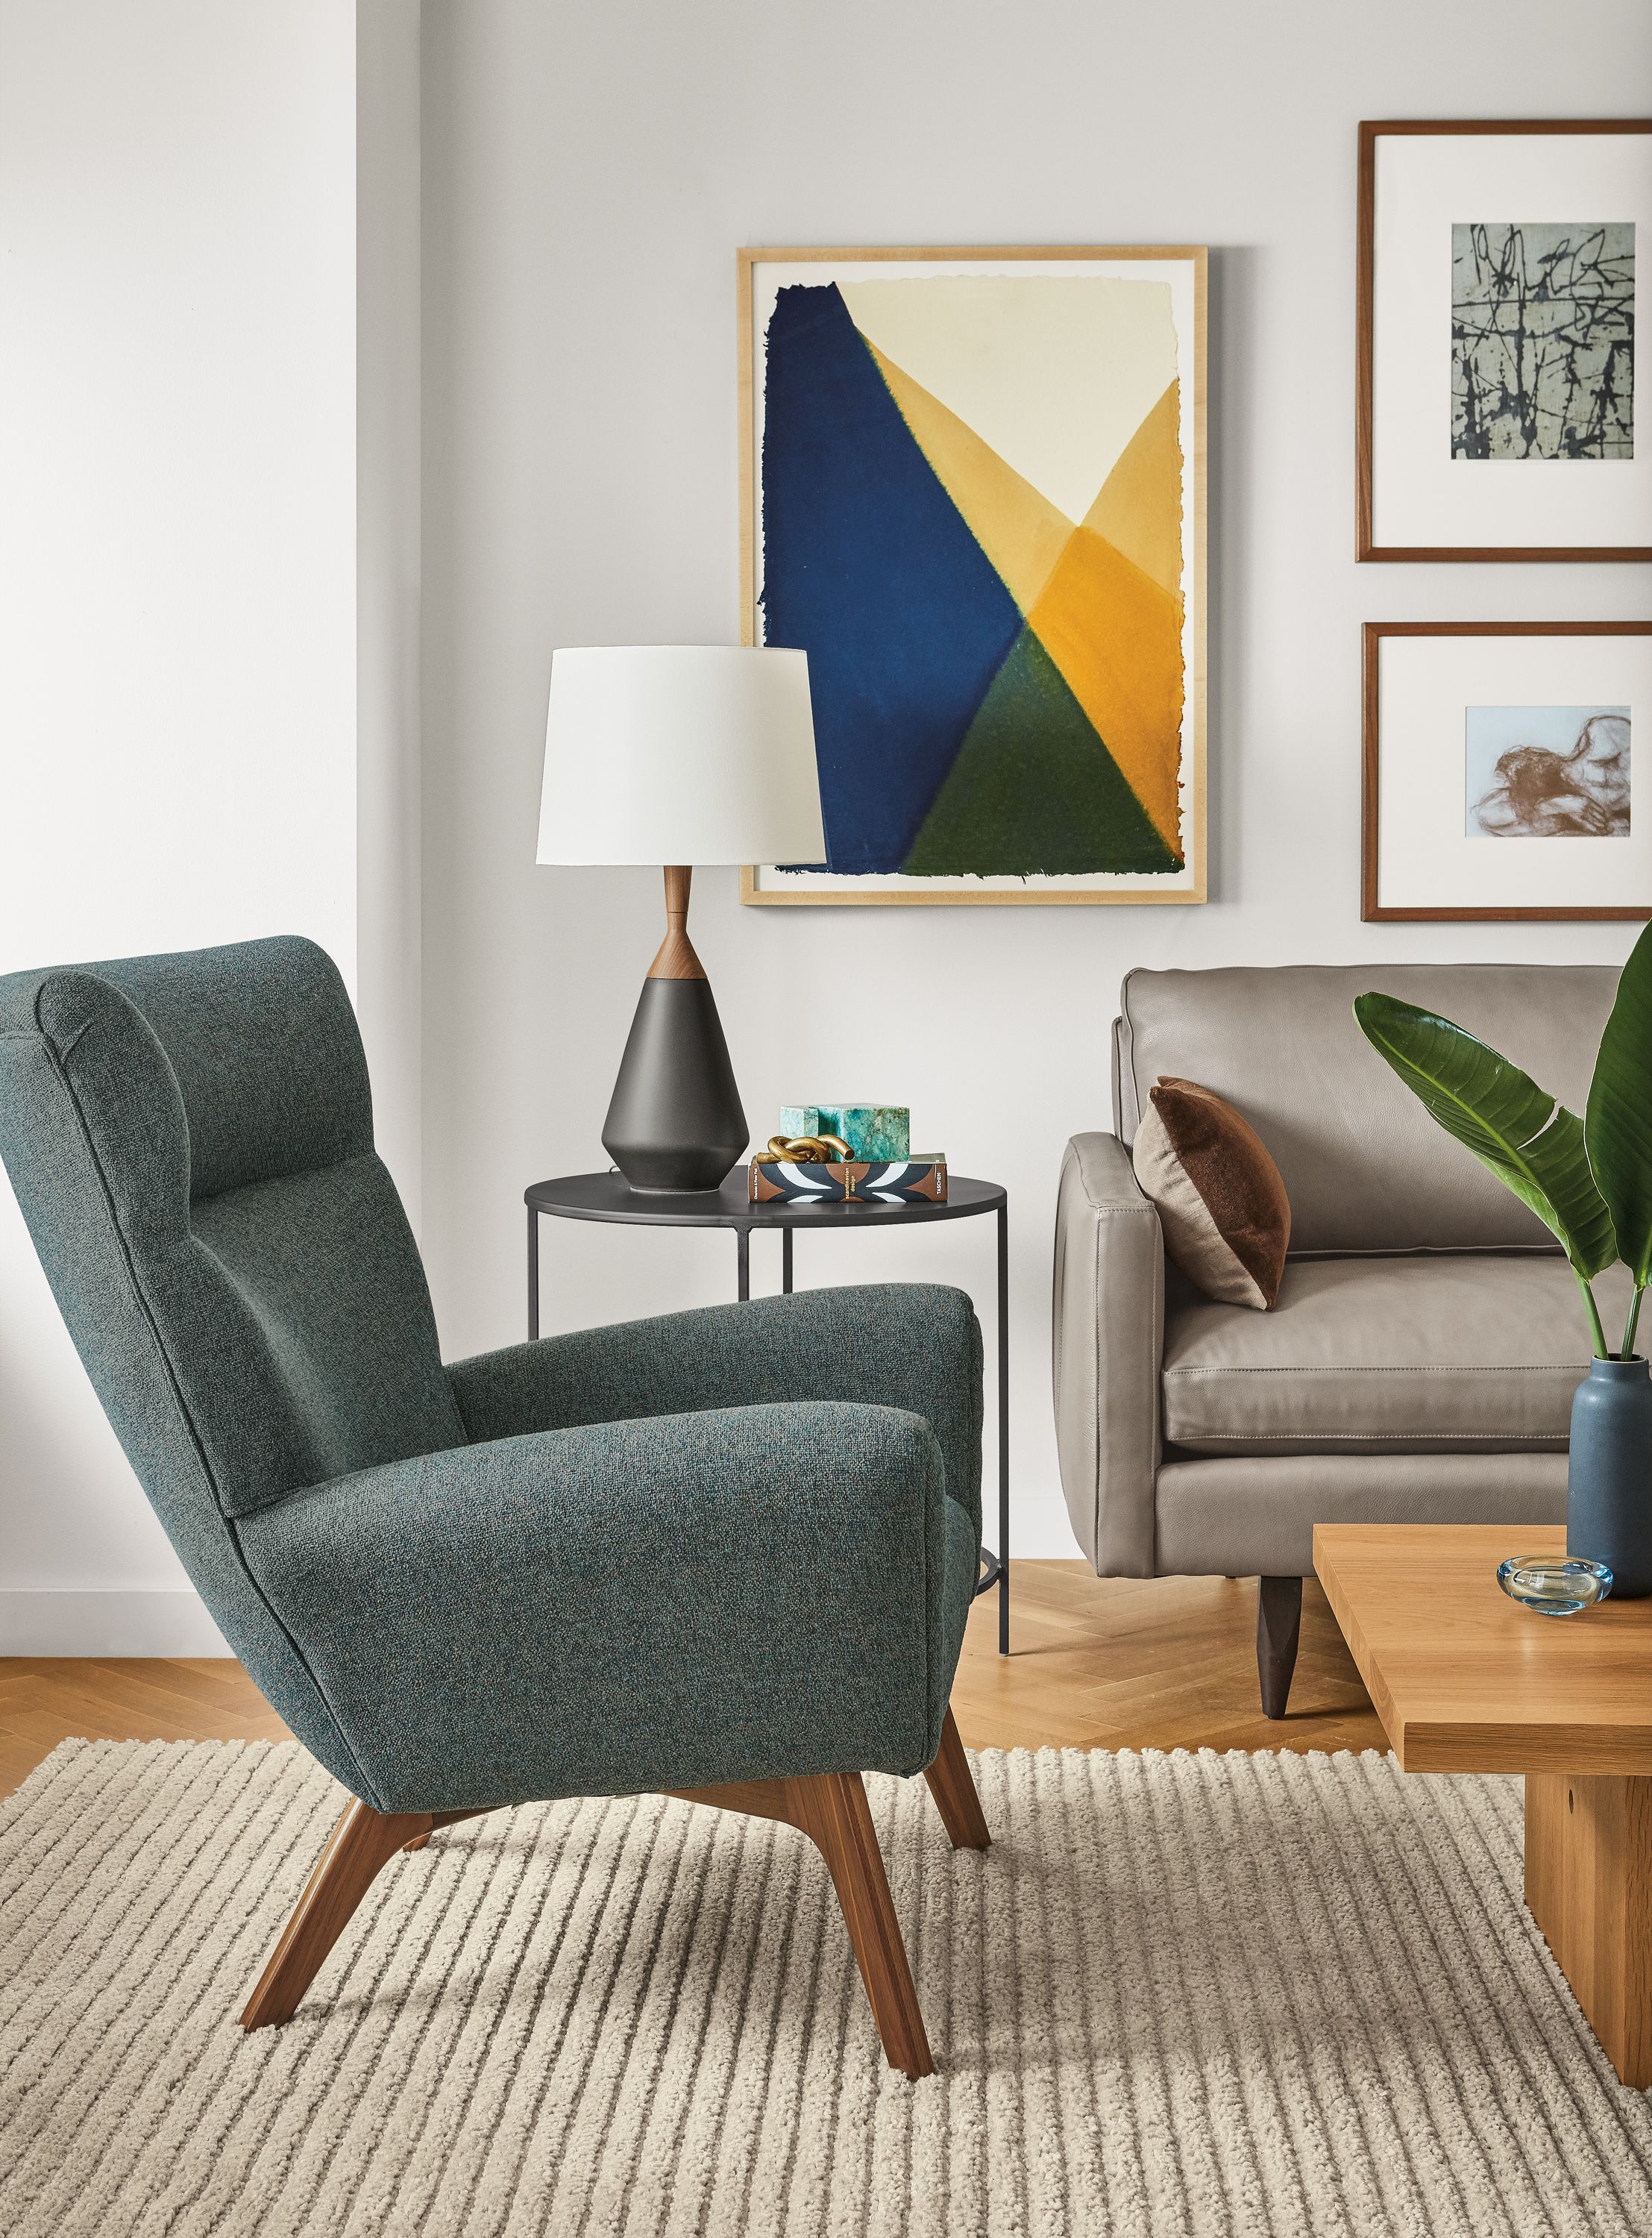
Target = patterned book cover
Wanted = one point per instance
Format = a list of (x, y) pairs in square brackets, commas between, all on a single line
[(907, 1180)]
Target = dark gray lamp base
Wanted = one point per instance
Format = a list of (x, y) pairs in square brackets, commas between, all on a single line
[(676, 1123)]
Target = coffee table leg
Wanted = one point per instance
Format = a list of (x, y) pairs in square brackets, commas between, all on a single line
[(533, 1275), (1588, 1886), (743, 1245), (785, 1261)]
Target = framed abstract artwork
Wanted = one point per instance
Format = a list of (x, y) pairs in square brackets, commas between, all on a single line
[(1503, 778), (972, 492), (1494, 411)]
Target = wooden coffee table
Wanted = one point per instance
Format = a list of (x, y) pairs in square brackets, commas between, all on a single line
[(1465, 1680)]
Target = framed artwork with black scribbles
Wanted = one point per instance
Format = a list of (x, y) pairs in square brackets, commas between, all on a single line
[(972, 492), (1508, 769), (1496, 408)]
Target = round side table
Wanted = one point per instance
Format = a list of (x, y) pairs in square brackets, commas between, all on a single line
[(608, 1196)]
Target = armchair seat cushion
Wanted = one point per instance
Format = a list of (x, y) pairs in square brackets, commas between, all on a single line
[(1444, 1353)]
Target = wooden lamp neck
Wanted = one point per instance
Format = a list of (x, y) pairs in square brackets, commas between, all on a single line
[(676, 959)]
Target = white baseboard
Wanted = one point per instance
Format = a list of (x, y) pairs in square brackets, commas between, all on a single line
[(120, 1623)]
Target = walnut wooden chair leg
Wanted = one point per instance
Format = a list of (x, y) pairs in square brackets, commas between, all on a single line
[(953, 1785), (831, 1809), (358, 1848), (1278, 1626)]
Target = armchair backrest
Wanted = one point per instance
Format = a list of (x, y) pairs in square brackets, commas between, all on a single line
[(190, 1139), (1366, 1168)]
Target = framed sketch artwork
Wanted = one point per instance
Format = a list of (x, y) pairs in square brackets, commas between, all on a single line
[(972, 492), (1496, 409), (1503, 774)]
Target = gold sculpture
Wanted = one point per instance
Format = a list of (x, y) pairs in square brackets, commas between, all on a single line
[(805, 1150)]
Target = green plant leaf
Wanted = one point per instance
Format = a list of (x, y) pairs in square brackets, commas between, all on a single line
[(1618, 1123), (1517, 1131)]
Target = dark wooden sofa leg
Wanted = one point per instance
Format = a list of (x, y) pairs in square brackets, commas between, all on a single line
[(358, 1848), (953, 1785), (1278, 1626)]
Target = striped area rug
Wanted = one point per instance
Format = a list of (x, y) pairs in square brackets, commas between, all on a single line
[(1201, 1994)]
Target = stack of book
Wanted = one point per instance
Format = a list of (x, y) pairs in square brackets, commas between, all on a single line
[(844, 1154)]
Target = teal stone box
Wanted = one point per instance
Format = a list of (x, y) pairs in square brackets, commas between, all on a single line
[(875, 1131)]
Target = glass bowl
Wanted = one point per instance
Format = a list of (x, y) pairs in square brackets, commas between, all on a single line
[(1553, 1584)]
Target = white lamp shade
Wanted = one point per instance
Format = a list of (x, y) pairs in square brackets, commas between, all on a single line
[(680, 753)]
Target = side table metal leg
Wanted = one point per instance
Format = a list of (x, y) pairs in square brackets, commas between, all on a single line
[(785, 1261), (1003, 1428), (533, 1275), (743, 1242)]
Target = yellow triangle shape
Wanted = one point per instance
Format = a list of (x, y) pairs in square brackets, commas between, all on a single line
[(1138, 509), (1115, 635), (1020, 531)]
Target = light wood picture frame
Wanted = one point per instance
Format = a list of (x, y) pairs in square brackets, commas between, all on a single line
[(974, 494), (1500, 779), (1494, 380)]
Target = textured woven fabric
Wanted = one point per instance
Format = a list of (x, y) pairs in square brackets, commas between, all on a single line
[(915, 1345), (746, 1589), (1181, 1996), (290, 1304), (264, 1048), (727, 1595), (102, 1181)]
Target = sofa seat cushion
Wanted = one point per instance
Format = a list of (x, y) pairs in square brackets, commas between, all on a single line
[(1418, 1354)]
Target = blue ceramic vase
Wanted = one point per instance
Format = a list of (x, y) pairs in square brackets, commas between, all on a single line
[(1608, 1484)]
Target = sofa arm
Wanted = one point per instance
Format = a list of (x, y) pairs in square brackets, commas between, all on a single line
[(671, 1603), (1108, 1346)]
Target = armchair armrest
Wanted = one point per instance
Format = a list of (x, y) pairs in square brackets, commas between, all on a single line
[(730, 1595), (1108, 1348), (912, 1345)]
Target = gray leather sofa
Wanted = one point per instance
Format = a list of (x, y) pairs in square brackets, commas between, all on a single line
[(1420, 1363)]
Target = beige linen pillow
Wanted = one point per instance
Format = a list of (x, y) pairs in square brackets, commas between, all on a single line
[(1220, 1201)]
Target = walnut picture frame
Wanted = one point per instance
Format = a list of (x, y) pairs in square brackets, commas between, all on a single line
[(1494, 384), (1500, 782)]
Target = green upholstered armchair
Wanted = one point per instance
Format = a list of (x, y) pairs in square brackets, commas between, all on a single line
[(727, 1553)]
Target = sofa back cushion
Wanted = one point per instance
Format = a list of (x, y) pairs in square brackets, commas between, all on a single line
[(1366, 1168)]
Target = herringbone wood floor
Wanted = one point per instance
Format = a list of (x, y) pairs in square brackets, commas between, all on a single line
[(1109, 1663)]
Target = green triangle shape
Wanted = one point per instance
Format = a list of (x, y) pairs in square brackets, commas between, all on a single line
[(1033, 791)]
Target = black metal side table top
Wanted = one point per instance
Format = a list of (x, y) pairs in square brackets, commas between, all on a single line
[(608, 1197)]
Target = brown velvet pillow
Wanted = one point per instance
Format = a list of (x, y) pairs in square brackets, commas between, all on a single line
[(1220, 1201)]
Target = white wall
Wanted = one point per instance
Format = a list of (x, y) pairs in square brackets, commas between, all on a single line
[(389, 475), (178, 680), (589, 172)]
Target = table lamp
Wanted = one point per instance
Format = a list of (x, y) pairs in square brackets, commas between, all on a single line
[(679, 754)]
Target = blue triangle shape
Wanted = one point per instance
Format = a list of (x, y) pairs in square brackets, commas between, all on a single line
[(869, 566)]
